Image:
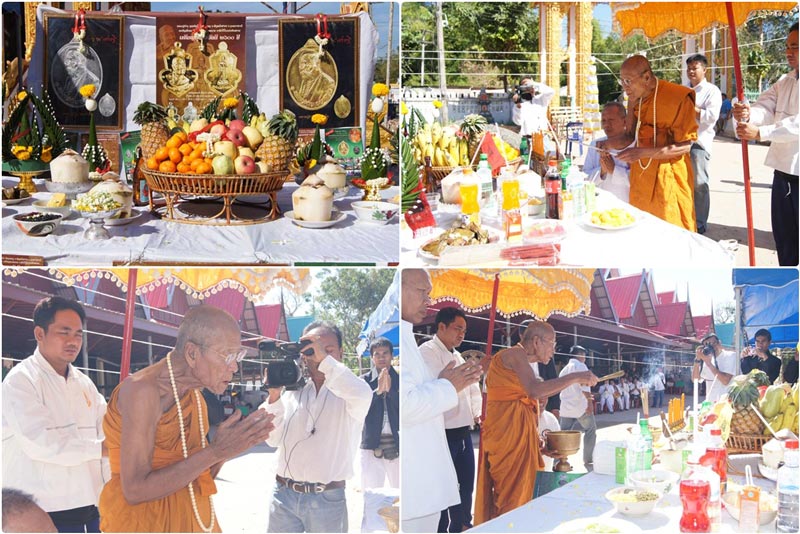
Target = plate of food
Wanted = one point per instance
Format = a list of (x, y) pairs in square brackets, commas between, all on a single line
[(336, 216), (597, 525), (611, 219), (121, 221), (14, 195), (460, 235)]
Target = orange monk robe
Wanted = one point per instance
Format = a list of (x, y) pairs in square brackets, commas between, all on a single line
[(174, 512), (510, 443), (666, 187)]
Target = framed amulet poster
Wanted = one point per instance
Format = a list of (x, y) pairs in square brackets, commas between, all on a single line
[(319, 69)]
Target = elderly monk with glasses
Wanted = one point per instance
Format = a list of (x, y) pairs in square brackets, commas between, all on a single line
[(662, 120), (162, 462)]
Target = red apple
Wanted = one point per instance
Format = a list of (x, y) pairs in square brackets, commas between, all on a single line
[(237, 124), (220, 130), (244, 165), (236, 137)]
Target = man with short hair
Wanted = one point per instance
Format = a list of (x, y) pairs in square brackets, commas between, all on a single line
[(52, 421), (719, 367), (529, 109), (428, 482), (317, 428), (661, 119), (613, 173), (707, 103), (760, 357), (577, 406), (451, 328), (774, 118), (22, 514), (380, 441)]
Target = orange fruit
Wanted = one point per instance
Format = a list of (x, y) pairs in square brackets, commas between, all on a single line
[(166, 166), (152, 163), (161, 154), (196, 163), (208, 160), (183, 167), (175, 155), (174, 141), (198, 150), (189, 158), (203, 168), (182, 136), (185, 149)]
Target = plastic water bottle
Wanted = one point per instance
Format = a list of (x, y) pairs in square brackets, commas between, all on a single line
[(485, 183), (639, 456), (524, 150), (644, 430), (789, 490)]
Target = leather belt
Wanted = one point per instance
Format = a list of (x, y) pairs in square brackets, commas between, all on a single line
[(308, 487)]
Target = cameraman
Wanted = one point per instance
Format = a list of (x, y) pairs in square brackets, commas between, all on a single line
[(760, 357), (316, 429), (718, 366), (379, 440), (529, 111)]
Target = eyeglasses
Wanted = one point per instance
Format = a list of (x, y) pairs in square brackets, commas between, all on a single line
[(309, 352), (230, 356), (626, 82)]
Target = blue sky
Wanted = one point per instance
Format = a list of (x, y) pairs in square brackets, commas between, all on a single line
[(705, 286)]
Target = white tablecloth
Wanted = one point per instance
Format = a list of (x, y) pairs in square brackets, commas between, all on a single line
[(650, 242), (149, 239), (585, 498)]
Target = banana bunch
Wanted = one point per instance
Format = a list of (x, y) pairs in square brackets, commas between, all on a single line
[(786, 417), (174, 125), (260, 122), (441, 144), (507, 150)]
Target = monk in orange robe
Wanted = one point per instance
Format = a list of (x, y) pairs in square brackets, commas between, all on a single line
[(662, 120), (510, 438), (162, 479)]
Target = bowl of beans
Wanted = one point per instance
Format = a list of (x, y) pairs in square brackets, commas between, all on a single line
[(37, 224), (633, 501)]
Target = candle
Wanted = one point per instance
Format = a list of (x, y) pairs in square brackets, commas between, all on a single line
[(683, 403)]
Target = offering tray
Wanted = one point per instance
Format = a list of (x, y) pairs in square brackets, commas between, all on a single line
[(71, 190), (176, 189)]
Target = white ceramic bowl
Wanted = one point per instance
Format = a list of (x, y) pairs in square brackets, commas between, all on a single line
[(633, 507), (37, 228), (654, 480), (767, 502), (375, 212), (41, 205)]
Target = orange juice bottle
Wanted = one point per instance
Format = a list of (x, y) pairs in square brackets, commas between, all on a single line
[(470, 210)]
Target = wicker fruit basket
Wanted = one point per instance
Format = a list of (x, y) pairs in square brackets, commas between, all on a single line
[(745, 443), (175, 187)]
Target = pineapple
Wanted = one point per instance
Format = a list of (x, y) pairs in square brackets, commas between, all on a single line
[(472, 127), (152, 118), (743, 394), (279, 140)]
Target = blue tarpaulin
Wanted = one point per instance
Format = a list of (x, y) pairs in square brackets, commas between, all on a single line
[(768, 298), (385, 320)]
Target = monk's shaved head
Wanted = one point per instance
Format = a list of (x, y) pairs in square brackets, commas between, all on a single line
[(536, 329), (202, 325), (637, 63)]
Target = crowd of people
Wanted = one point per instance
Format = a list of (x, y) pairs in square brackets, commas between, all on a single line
[(145, 460)]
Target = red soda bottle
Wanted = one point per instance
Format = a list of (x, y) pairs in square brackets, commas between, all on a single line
[(695, 493), (552, 188), (716, 457)]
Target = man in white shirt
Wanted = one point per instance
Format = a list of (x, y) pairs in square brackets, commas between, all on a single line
[(428, 482), (773, 117), (577, 408), (53, 422), (659, 382), (707, 104), (599, 162), (718, 367), (529, 110), (318, 430), (451, 328)]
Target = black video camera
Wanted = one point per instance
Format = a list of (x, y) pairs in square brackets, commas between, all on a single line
[(526, 91), (708, 350), (285, 368)]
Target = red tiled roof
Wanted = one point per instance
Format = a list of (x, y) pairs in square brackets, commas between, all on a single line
[(703, 325), (670, 318), (667, 297), (623, 292)]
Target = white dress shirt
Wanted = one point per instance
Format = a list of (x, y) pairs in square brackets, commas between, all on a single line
[(573, 399), (618, 183), (428, 482), (775, 113), (52, 435), (531, 116), (318, 433), (709, 99), (727, 362), (469, 405)]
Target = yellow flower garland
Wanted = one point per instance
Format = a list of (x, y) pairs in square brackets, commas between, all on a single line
[(437, 104), (319, 118), (380, 89), (230, 103), (87, 90)]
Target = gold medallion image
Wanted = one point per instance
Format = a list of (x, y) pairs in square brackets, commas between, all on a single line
[(177, 75), (223, 77), (342, 107), (312, 76)]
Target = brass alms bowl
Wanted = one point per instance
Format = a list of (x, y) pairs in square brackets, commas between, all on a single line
[(563, 442)]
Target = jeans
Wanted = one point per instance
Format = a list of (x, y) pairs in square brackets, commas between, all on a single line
[(307, 512), (91, 526), (785, 217), (588, 425), (458, 517), (658, 399), (702, 201)]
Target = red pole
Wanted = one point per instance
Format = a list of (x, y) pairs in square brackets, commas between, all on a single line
[(487, 359), (127, 330), (748, 200)]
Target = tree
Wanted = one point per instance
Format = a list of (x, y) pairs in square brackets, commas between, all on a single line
[(724, 313), (348, 296)]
